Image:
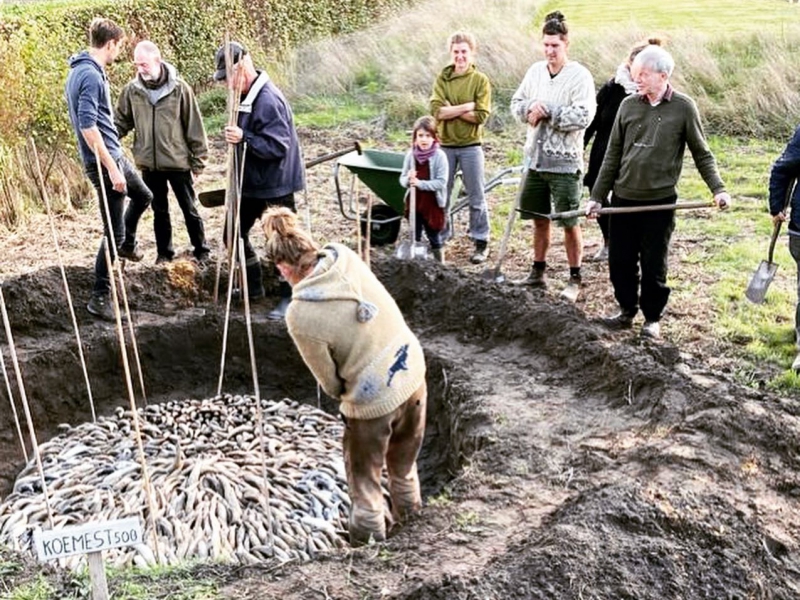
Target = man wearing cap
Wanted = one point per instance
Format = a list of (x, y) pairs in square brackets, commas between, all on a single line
[(266, 142), (169, 144)]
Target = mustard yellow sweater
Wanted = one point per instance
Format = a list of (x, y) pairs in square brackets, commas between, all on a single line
[(353, 337)]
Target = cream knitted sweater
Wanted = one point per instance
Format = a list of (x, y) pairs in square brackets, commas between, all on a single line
[(555, 145), (353, 337)]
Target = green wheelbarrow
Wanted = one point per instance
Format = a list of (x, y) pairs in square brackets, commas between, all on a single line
[(380, 171)]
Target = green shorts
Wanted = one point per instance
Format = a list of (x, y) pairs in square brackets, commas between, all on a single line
[(551, 192)]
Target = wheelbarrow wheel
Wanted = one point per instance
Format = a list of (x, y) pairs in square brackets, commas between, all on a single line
[(382, 233)]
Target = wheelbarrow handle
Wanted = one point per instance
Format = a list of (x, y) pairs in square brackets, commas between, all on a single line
[(326, 157)]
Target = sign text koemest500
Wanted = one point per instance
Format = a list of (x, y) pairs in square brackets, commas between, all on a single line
[(83, 539)]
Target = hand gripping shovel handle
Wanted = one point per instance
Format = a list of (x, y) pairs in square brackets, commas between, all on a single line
[(775, 232)]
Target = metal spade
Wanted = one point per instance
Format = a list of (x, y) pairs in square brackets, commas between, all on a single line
[(765, 273)]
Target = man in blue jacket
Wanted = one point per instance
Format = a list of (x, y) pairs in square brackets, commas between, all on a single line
[(273, 167), (784, 175), (89, 100)]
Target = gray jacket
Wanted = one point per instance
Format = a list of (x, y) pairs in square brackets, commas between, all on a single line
[(438, 178)]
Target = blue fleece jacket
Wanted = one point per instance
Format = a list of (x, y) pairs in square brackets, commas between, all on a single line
[(89, 100), (273, 167), (785, 171)]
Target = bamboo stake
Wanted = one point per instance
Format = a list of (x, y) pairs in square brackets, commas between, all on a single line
[(259, 408), (70, 304), (13, 408), (369, 230), (232, 170), (125, 365), (24, 398), (229, 297)]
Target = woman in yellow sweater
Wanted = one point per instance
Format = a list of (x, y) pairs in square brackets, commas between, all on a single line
[(353, 338)]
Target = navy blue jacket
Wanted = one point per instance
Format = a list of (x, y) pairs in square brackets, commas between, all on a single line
[(89, 101), (785, 171), (273, 165)]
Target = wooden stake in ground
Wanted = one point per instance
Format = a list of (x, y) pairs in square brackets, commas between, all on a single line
[(70, 304), (152, 509)]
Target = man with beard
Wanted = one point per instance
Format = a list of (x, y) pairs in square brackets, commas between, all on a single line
[(169, 144)]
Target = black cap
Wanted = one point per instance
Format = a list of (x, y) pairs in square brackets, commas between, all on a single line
[(237, 52)]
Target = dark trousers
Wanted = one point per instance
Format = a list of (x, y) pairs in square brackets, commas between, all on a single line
[(640, 239), (183, 188), (124, 221), (251, 210), (434, 235)]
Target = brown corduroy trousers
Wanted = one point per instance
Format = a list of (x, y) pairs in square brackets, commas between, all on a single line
[(394, 439)]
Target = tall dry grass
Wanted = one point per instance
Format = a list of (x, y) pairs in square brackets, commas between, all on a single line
[(745, 82)]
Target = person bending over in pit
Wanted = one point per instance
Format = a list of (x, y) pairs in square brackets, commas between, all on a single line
[(784, 174), (353, 338), (425, 169)]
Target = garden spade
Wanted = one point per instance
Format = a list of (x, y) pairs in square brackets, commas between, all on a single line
[(495, 273), (765, 273), (411, 249)]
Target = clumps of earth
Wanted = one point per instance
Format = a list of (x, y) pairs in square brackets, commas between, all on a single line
[(560, 461)]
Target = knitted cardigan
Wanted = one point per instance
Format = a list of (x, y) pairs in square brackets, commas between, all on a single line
[(352, 336), (555, 145)]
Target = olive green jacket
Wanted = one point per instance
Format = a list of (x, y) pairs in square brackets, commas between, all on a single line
[(453, 89), (169, 134)]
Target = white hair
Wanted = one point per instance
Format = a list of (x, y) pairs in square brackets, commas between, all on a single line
[(656, 59), (148, 48)]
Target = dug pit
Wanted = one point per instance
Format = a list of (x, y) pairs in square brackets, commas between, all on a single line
[(560, 461)]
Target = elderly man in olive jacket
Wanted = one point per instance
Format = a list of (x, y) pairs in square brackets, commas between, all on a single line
[(169, 145)]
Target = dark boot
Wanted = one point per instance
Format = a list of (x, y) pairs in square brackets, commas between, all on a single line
[(622, 320), (536, 278), (255, 283), (279, 312), (438, 255)]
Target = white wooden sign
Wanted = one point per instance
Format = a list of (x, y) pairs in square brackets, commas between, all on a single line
[(88, 538)]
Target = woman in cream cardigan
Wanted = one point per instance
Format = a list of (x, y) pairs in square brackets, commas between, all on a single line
[(353, 338)]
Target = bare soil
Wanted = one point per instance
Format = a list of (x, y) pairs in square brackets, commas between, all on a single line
[(561, 461)]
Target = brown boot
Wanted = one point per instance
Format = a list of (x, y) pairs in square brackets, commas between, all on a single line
[(438, 255)]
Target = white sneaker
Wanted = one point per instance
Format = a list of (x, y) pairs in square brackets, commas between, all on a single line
[(796, 363), (651, 329)]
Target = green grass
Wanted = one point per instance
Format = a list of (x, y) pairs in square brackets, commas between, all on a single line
[(729, 246), (710, 16)]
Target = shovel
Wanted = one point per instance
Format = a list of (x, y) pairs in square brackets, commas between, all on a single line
[(494, 273), (757, 288), (410, 249), (615, 210), (765, 273)]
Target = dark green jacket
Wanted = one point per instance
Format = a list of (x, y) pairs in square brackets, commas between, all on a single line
[(644, 157), (168, 129)]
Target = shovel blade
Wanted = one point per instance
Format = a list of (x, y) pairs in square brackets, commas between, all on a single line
[(757, 289), (411, 251)]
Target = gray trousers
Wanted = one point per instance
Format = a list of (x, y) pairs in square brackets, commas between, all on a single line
[(470, 160), (794, 249)]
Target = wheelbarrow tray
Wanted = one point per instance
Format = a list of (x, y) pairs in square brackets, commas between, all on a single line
[(380, 171)]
